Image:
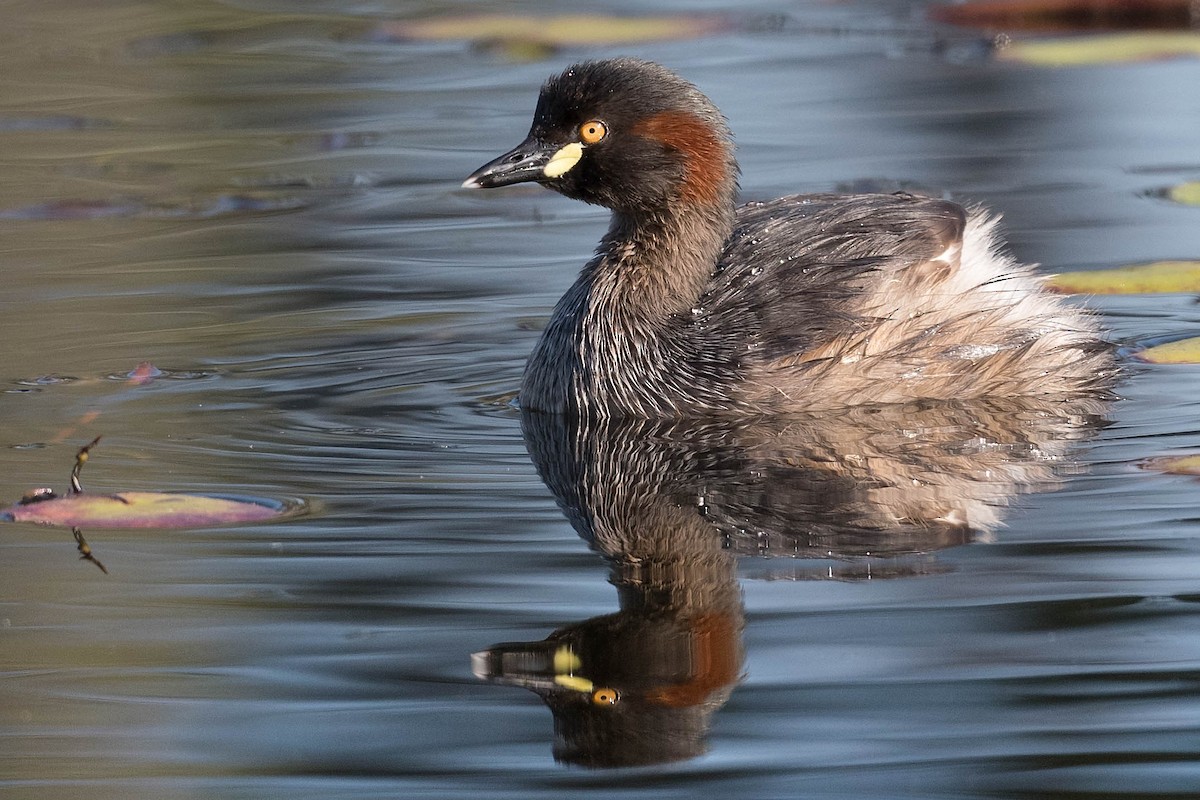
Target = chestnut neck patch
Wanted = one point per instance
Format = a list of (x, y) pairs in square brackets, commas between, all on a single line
[(706, 152)]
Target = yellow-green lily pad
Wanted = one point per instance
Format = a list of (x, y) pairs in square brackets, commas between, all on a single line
[(1186, 193), (79, 509), (1117, 48), (1174, 465), (142, 510), (556, 31), (1181, 351), (1160, 277)]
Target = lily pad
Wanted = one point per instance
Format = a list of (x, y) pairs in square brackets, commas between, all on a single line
[(142, 510), (1160, 277), (1116, 48), (556, 31), (1181, 351), (1174, 465), (79, 509), (1186, 193)]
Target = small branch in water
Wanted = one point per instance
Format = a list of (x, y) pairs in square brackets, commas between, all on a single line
[(80, 459), (82, 545)]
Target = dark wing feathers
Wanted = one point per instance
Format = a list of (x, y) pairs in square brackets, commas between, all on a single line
[(793, 267)]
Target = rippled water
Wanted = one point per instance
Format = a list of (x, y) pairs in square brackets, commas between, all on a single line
[(263, 202)]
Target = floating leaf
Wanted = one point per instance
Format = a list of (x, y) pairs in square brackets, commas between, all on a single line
[(556, 31), (142, 510), (1181, 351), (1157, 278), (1174, 465), (134, 509), (1068, 15), (1186, 193), (1111, 49)]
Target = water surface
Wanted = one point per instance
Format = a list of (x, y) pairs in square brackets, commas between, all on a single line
[(264, 204)]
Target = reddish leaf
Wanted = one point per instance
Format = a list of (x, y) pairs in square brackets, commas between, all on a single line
[(143, 373), (556, 31), (1066, 16)]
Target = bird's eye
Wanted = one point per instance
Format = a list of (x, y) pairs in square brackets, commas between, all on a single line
[(592, 131), (605, 697)]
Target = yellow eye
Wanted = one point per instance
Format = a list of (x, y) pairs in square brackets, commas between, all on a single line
[(605, 697), (592, 131)]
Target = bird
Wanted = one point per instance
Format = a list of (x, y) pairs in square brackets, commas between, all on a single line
[(694, 305)]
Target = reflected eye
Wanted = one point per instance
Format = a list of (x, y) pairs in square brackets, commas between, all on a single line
[(605, 697), (592, 131)]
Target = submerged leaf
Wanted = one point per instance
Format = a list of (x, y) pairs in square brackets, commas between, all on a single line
[(1111, 49), (556, 31), (1159, 277), (1182, 351), (142, 510)]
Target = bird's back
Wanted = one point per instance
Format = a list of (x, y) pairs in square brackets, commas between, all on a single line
[(849, 299)]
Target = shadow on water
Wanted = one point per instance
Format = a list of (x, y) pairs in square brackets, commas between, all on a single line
[(673, 505)]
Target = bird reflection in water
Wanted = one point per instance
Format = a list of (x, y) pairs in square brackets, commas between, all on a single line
[(673, 505)]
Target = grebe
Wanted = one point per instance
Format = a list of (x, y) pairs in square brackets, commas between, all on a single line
[(694, 305)]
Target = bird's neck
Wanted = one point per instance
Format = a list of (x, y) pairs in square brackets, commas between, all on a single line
[(656, 265)]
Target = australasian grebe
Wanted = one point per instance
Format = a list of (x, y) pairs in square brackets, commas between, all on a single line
[(693, 305)]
